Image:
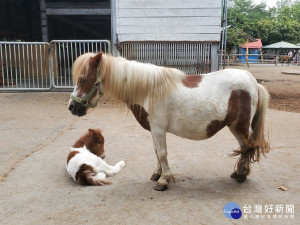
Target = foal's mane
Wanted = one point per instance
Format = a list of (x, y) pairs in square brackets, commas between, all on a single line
[(131, 82)]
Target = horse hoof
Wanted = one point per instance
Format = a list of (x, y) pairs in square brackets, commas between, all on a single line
[(155, 177), (160, 187), (241, 178), (234, 175), (238, 178)]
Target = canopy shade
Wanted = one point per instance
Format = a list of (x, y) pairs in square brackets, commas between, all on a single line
[(282, 45)]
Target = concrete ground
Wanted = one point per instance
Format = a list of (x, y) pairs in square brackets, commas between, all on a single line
[(37, 131)]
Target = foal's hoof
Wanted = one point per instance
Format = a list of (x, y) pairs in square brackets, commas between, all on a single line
[(238, 178), (155, 176), (160, 187)]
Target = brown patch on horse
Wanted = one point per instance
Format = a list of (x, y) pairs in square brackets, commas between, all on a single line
[(238, 112), (93, 140), (192, 81), (71, 155), (85, 176), (141, 116)]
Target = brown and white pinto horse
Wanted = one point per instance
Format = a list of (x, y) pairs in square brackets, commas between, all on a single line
[(166, 100)]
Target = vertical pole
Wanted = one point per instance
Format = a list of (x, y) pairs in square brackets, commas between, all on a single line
[(225, 30), (228, 58), (214, 57), (247, 52), (44, 24), (113, 24)]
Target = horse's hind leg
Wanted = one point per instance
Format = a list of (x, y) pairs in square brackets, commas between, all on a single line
[(242, 168), (111, 170)]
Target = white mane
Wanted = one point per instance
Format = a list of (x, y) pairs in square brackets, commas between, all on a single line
[(132, 82)]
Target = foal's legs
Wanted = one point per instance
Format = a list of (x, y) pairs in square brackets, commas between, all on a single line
[(111, 170), (159, 141), (243, 164)]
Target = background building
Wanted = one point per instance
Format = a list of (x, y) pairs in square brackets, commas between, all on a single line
[(175, 33)]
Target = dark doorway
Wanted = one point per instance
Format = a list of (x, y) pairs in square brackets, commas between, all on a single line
[(79, 27)]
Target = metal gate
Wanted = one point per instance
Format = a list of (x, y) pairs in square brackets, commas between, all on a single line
[(190, 57), (43, 66), (24, 66), (64, 53), (40, 65)]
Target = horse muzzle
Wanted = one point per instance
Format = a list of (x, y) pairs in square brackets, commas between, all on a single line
[(77, 109)]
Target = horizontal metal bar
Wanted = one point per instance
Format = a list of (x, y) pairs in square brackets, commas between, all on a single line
[(25, 89), (82, 11), (23, 43), (80, 41)]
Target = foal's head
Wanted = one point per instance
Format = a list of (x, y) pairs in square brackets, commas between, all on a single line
[(88, 87), (94, 141)]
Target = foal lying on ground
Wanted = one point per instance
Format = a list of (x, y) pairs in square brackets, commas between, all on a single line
[(85, 162)]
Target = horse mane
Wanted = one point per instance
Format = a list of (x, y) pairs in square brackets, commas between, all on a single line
[(81, 65), (133, 82)]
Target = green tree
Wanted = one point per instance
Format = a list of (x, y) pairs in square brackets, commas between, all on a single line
[(280, 23)]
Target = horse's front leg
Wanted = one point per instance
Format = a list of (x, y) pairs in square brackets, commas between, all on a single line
[(159, 141), (157, 172)]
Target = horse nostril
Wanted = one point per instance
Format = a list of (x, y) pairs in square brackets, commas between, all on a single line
[(71, 107)]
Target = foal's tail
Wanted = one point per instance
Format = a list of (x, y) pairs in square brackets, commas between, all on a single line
[(256, 143), (87, 176)]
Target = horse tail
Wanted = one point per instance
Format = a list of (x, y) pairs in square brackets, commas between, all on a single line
[(255, 144), (87, 176), (257, 138)]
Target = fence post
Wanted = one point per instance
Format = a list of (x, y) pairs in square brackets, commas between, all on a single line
[(247, 53), (228, 58)]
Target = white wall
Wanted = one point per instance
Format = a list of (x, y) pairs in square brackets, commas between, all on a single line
[(168, 20)]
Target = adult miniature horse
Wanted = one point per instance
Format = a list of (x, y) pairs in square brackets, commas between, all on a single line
[(166, 100)]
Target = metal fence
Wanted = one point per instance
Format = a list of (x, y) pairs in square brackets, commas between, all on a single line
[(24, 66), (42, 65), (191, 57), (64, 53)]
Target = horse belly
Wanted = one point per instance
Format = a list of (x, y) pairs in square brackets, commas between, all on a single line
[(189, 133), (192, 125), (191, 113)]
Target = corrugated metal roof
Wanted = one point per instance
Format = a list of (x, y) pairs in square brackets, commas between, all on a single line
[(282, 44), (255, 44)]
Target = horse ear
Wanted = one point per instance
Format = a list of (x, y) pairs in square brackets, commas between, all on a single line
[(98, 131), (91, 131), (96, 59)]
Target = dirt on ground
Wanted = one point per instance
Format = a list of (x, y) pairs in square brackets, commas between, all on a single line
[(282, 82), (37, 131)]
